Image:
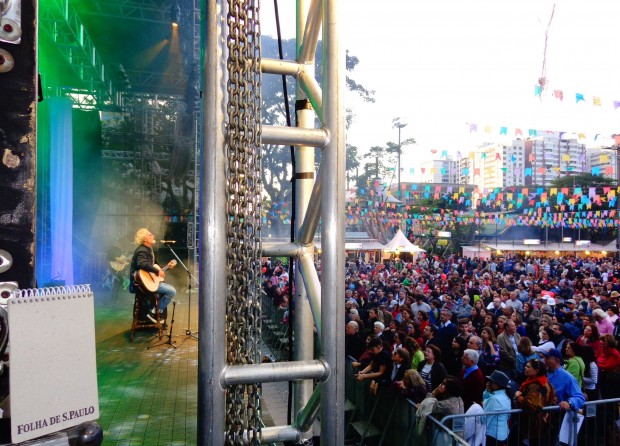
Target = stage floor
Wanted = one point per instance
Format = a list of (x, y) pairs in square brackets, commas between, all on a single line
[(150, 396)]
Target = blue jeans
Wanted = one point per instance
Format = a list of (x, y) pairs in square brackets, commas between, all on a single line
[(166, 294)]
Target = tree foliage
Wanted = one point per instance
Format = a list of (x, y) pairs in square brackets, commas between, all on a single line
[(582, 180), (277, 160)]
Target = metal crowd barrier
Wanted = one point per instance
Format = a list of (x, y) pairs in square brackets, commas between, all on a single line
[(384, 418), (387, 418), (596, 423)]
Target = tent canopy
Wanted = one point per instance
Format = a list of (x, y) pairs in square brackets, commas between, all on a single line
[(402, 244)]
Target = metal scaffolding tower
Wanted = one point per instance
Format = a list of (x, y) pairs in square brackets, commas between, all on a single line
[(232, 132)]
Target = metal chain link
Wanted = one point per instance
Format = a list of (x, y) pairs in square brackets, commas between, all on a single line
[(243, 323)]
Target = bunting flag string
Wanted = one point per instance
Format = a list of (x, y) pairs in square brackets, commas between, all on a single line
[(578, 207)]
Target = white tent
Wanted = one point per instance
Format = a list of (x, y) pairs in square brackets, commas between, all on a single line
[(402, 244)]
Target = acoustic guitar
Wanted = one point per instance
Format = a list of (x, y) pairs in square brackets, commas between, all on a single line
[(148, 282)]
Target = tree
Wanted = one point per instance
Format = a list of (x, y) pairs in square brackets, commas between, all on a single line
[(582, 180), (277, 160)]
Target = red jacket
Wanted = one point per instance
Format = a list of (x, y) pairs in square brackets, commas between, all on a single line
[(608, 359), (473, 387)]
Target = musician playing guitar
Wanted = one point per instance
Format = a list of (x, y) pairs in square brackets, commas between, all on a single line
[(144, 259)]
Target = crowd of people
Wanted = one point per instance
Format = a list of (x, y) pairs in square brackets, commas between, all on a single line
[(459, 335)]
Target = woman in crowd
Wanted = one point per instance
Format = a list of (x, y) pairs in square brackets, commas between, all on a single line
[(475, 317), (524, 354), (501, 321), (608, 358), (530, 320), (490, 350), (572, 362), (449, 402), (422, 319), (431, 369), (412, 386), (489, 321), (590, 337), (534, 394), (545, 344), (453, 360), (481, 321), (415, 352), (518, 323), (590, 376), (399, 339), (494, 399)]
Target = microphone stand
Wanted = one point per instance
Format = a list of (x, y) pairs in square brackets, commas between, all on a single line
[(169, 342), (190, 277)]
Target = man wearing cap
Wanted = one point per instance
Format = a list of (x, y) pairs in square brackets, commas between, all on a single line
[(496, 399), (565, 385)]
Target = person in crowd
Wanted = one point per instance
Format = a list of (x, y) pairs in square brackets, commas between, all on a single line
[(420, 305), (525, 354), (558, 337), (422, 319), (446, 330), (447, 398), (508, 342), (590, 376), (603, 322), (608, 357), (532, 317), (495, 398), (590, 337), (429, 336), (516, 318), (567, 390), (431, 369), (464, 309), (545, 344), (401, 362), (415, 352), (573, 363), (534, 394), (490, 350), (353, 342), (412, 386), (380, 367), (471, 378), (452, 361), (399, 339)]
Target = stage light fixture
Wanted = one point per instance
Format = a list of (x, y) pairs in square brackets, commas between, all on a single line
[(175, 14)]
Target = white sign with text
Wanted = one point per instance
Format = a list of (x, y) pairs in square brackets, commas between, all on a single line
[(53, 366)]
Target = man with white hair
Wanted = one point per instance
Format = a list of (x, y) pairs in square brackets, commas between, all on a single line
[(379, 327), (353, 342), (144, 260), (472, 378), (603, 322)]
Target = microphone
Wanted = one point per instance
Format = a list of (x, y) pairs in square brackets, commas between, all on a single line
[(167, 241)]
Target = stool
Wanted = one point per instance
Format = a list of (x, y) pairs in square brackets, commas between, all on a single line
[(140, 309)]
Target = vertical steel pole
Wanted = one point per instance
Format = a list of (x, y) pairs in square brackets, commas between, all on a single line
[(304, 178), (332, 232), (212, 289), (18, 159)]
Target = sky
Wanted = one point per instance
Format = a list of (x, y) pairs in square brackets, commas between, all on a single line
[(442, 65)]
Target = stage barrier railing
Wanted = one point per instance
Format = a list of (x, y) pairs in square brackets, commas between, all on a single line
[(386, 417)]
